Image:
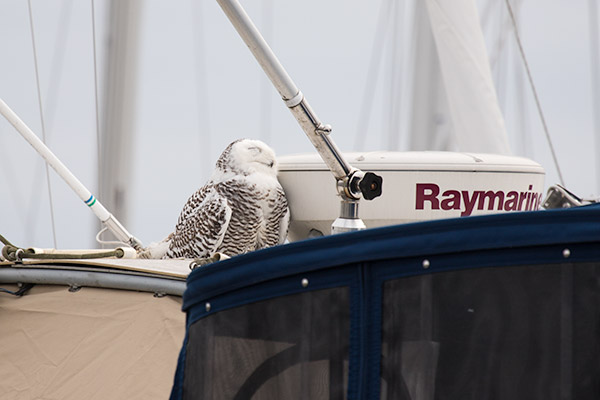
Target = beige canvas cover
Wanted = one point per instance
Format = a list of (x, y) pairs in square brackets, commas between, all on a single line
[(176, 267), (89, 344)]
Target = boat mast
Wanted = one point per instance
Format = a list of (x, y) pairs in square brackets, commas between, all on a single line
[(475, 115), (430, 121), (351, 182), (118, 115)]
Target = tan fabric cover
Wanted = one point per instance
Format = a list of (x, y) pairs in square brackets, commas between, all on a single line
[(90, 344)]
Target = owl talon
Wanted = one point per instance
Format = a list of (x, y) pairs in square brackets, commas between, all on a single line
[(200, 262)]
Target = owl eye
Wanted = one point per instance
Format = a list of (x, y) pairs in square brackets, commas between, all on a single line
[(255, 150)]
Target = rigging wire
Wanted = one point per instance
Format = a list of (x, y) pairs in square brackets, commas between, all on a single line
[(52, 92), (522, 110), (265, 89), (535, 95), (594, 65), (197, 19), (96, 106), (498, 63), (504, 24), (57, 63), (39, 92), (96, 86), (521, 106)]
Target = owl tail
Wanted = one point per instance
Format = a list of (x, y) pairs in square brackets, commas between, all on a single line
[(156, 250)]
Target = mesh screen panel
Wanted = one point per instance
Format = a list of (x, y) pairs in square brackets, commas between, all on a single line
[(528, 332), (290, 347)]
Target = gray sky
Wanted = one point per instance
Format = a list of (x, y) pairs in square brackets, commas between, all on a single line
[(184, 119)]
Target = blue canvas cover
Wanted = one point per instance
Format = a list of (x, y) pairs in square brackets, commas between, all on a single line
[(500, 306)]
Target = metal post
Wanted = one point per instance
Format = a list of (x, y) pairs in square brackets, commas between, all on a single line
[(84, 194), (351, 181)]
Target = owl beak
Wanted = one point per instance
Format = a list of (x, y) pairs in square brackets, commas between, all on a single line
[(271, 164)]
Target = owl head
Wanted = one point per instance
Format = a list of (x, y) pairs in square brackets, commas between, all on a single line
[(246, 157)]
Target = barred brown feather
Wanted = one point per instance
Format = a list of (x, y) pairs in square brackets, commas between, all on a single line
[(242, 208)]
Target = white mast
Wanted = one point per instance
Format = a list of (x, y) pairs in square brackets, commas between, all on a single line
[(115, 166), (476, 118), (430, 122)]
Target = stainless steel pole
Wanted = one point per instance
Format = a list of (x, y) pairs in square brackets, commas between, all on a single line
[(318, 133), (351, 182)]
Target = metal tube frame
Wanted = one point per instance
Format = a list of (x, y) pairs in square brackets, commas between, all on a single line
[(347, 177), (107, 280), (317, 132)]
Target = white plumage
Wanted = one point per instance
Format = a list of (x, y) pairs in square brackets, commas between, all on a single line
[(242, 208)]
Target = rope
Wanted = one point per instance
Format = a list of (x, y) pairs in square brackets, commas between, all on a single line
[(22, 290), (535, 95), (115, 242), (39, 91), (11, 252), (7, 249)]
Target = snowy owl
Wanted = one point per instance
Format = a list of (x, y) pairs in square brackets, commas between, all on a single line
[(242, 207)]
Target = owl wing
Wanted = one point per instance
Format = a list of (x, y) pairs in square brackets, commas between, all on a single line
[(278, 219), (284, 215), (201, 228)]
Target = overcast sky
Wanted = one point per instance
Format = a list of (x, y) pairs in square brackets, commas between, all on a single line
[(183, 118)]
